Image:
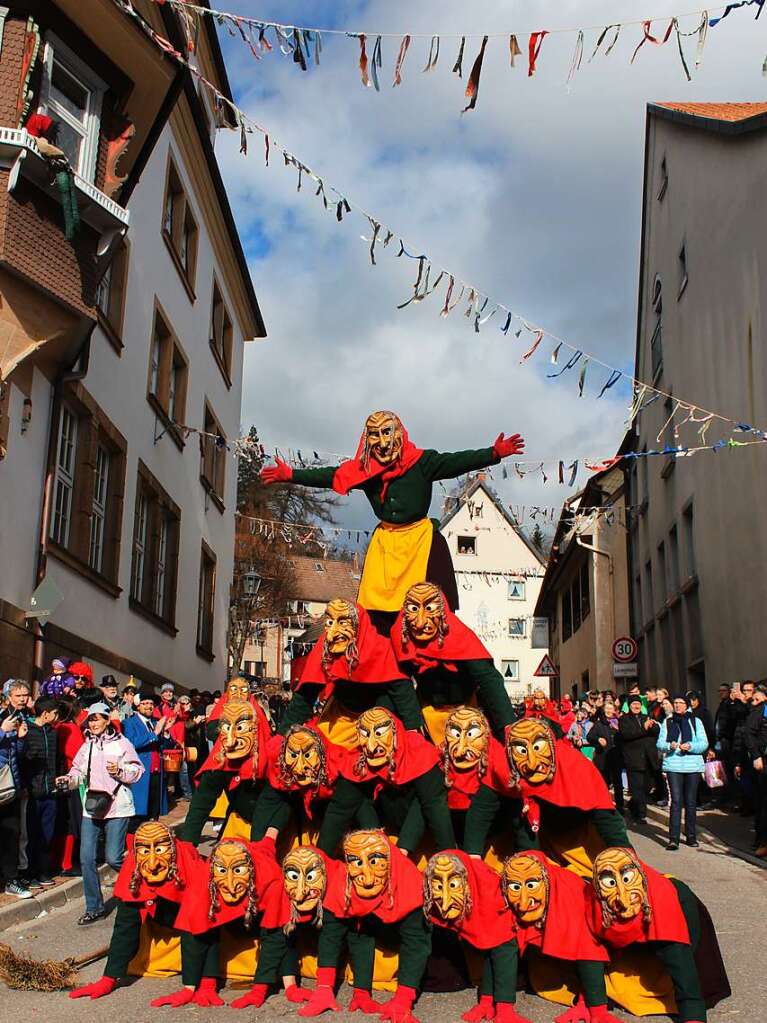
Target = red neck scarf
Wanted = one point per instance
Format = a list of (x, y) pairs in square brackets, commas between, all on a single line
[(489, 923), (460, 644), (188, 862), (402, 895), (324, 790), (353, 474), (667, 920), (244, 769), (463, 785), (270, 903), (413, 757), (376, 662), (565, 933)]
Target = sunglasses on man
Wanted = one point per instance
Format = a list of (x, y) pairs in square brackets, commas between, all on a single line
[(80, 678)]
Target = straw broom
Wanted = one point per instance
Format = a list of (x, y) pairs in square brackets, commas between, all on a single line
[(22, 973)]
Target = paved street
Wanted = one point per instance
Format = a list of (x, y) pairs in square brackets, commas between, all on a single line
[(734, 892)]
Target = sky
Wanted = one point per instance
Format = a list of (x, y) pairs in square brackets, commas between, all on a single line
[(534, 197)]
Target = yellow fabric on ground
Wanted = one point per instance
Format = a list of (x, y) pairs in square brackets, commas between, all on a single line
[(397, 557)]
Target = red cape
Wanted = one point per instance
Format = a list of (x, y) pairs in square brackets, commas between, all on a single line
[(271, 901), (550, 712), (333, 757), (463, 785), (667, 921), (413, 757), (566, 933), (490, 923), (460, 644), (352, 473), (244, 769), (402, 895), (376, 662), (188, 862)]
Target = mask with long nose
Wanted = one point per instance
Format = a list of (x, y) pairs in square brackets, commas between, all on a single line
[(423, 614), (239, 733), (525, 886), (467, 737), (231, 871), (446, 888), (383, 438), (621, 884), (377, 738), (155, 851), (368, 863), (238, 690), (305, 878), (341, 629), (302, 760), (531, 750)]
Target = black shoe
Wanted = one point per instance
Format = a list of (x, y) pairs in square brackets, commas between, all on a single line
[(33, 882), (71, 872), (693, 843), (46, 882), (672, 847), (91, 918)]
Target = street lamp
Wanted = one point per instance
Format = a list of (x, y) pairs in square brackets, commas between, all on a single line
[(251, 583)]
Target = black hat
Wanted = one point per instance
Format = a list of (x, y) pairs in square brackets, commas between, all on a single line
[(634, 698), (108, 680)]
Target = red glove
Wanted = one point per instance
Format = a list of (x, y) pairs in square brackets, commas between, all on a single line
[(102, 987), (505, 446), (294, 993), (484, 1009), (207, 993), (182, 997), (322, 998), (578, 1013), (505, 1012), (255, 997), (399, 1007), (363, 1001), (279, 473), (599, 1014)]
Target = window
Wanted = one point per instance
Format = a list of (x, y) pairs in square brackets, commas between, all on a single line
[(213, 458), (689, 540), (298, 606), (168, 372), (517, 628), (205, 602), (88, 463), (221, 335), (662, 570), (466, 545), (567, 615), (585, 594), (656, 341), (663, 179), (576, 602), (318, 566), (516, 589), (110, 296), (154, 562), (179, 229), (682, 270), (510, 671), (540, 638), (72, 95), (673, 546), (649, 606)]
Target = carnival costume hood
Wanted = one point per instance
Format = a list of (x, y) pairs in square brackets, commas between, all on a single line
[(157, 865), (241, 746), (385, 452), (387, 752), (367, 657)]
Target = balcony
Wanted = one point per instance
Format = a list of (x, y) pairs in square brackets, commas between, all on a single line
[(20, 155)]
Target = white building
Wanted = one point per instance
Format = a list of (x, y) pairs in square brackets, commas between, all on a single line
[(499, 576), (104, 493)]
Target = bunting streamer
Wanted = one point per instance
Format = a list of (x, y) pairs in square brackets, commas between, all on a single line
[(472, 87)]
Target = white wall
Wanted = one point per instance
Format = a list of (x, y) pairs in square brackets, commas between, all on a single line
[(484, 601)]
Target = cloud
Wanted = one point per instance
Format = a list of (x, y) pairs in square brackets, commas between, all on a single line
[(535, 197)]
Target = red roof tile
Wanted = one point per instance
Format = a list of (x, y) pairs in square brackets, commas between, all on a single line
[(730, 112), (323, 579)]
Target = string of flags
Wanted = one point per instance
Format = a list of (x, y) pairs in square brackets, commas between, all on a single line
[(477, 306), (303, 46)]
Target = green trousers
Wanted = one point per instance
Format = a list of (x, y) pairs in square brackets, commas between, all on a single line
[(200, 955), (360, 936), (126, 933), (399, 697), (443, 688), (242, 800)]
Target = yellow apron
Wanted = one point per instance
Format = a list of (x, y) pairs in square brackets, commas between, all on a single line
[(396, 558), (339, 725), (435, 718)]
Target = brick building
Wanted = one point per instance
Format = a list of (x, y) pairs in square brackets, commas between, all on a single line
[(115, 336)]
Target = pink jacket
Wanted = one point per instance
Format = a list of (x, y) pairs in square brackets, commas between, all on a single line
[(110, 745)]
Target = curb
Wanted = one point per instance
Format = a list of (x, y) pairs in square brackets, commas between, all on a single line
[(660, 816)]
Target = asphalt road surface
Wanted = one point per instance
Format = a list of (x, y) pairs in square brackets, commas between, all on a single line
[(734, 891)]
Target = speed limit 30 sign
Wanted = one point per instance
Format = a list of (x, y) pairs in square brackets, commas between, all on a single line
[(625, 650)]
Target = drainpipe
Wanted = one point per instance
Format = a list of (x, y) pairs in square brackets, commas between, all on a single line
[(611, 600), (68, 376)]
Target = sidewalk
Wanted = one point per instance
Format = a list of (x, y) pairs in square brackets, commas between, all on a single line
[(66, 889), (733, 832)]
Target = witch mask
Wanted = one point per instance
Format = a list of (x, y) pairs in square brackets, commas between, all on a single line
[(302, 759), (424, 617), (377, 739), (239, 734), (446, 890), (305, 879), (238, 690), (620, 884), (539, 700), (154, 849), (467, 736), (525, 884), (383, 438), (531, 751), (341, 628), (231, 871), (368, 863)]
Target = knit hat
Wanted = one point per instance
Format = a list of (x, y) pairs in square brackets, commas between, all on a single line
[(58, 665), (636, 698), (681, 696), (167, 687)]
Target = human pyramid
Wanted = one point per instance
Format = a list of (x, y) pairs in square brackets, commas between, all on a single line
[(405, 825)]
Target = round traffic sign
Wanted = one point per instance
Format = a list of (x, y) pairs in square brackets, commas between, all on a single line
[(625, 649)]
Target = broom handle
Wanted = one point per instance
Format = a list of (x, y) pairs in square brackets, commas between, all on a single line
[(91, 957)]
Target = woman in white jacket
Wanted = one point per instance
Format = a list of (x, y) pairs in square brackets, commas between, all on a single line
[(105, 765)]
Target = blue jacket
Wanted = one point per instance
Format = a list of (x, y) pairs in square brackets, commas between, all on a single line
[(145, 742), (679, 762), (10, 749)]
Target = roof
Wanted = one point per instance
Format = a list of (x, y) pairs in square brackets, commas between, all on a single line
[(724, 118), (479, 482), (322, 580)]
